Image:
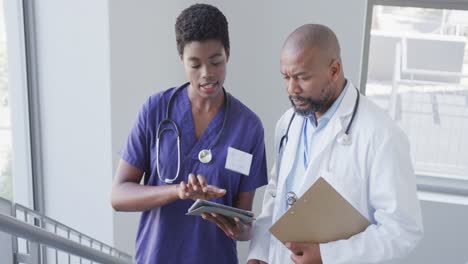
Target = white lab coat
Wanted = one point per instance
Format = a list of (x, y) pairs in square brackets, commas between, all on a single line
[(374, 174)]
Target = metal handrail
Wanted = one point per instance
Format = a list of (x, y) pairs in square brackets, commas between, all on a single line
[(38, 233), (18, 228), (60, 226)]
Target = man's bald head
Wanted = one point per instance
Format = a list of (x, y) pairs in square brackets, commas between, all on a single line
[(314, 36), (311, 66)]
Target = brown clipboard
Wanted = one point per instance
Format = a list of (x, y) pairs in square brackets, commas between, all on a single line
[(321, 215)]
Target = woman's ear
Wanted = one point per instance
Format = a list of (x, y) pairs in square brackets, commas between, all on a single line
[(227, 54)]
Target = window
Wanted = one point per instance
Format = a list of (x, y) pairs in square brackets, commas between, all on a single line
[(417, 70), (15, 147), (6, 182)]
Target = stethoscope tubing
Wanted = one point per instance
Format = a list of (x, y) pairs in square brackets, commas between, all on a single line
[(175, 127)]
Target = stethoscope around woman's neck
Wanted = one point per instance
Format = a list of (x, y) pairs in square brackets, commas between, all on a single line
[(205, 155)]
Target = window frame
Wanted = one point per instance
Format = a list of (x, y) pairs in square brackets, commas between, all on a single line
[(425, 182), (24, 104)]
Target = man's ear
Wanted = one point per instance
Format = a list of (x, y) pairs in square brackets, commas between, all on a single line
[(335, 69)]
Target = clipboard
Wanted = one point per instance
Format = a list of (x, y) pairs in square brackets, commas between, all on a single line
[(321, 215), (204, 206)]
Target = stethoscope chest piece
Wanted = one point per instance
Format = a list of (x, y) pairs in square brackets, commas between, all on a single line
[(168, 181), (205, 156), (343, 139), (291, 198)]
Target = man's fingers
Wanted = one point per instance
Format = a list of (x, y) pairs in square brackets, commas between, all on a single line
[(296, 248), (202, 182), (297, 259)]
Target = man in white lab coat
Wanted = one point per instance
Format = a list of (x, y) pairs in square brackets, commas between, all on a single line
[(365, 158)]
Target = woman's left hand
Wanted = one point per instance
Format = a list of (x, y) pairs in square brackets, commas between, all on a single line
[(233, 228)]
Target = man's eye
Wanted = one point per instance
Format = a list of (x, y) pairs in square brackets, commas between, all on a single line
[(195, 66)]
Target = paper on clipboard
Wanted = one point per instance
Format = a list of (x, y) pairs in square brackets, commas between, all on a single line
[(321, 215)]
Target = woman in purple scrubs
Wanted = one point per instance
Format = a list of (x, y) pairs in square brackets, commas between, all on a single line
[(207, 118)]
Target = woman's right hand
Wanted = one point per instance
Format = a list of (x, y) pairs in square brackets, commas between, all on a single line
[(196, 188)]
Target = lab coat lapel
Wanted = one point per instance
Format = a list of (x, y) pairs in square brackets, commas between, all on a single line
[(290, 149), (320, 152)]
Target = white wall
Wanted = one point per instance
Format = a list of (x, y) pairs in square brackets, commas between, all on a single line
[(446, 234), (73, 63)]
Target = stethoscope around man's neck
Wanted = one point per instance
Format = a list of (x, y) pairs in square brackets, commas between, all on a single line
[(343, 138), (205, 155)]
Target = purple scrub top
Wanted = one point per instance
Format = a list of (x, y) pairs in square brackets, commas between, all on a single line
[(166, 234)]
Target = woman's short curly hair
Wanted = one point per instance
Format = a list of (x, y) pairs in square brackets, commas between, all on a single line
[(201, 22)]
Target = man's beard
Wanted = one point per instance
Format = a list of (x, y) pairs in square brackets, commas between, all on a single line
[(311, 106)]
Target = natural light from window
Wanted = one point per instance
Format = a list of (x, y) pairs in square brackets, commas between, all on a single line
[(418, 72), (6, 185)]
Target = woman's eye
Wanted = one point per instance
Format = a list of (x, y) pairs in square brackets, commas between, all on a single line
[(195, 66)]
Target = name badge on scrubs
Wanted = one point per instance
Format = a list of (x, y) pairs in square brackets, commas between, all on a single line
[(238, 161)]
